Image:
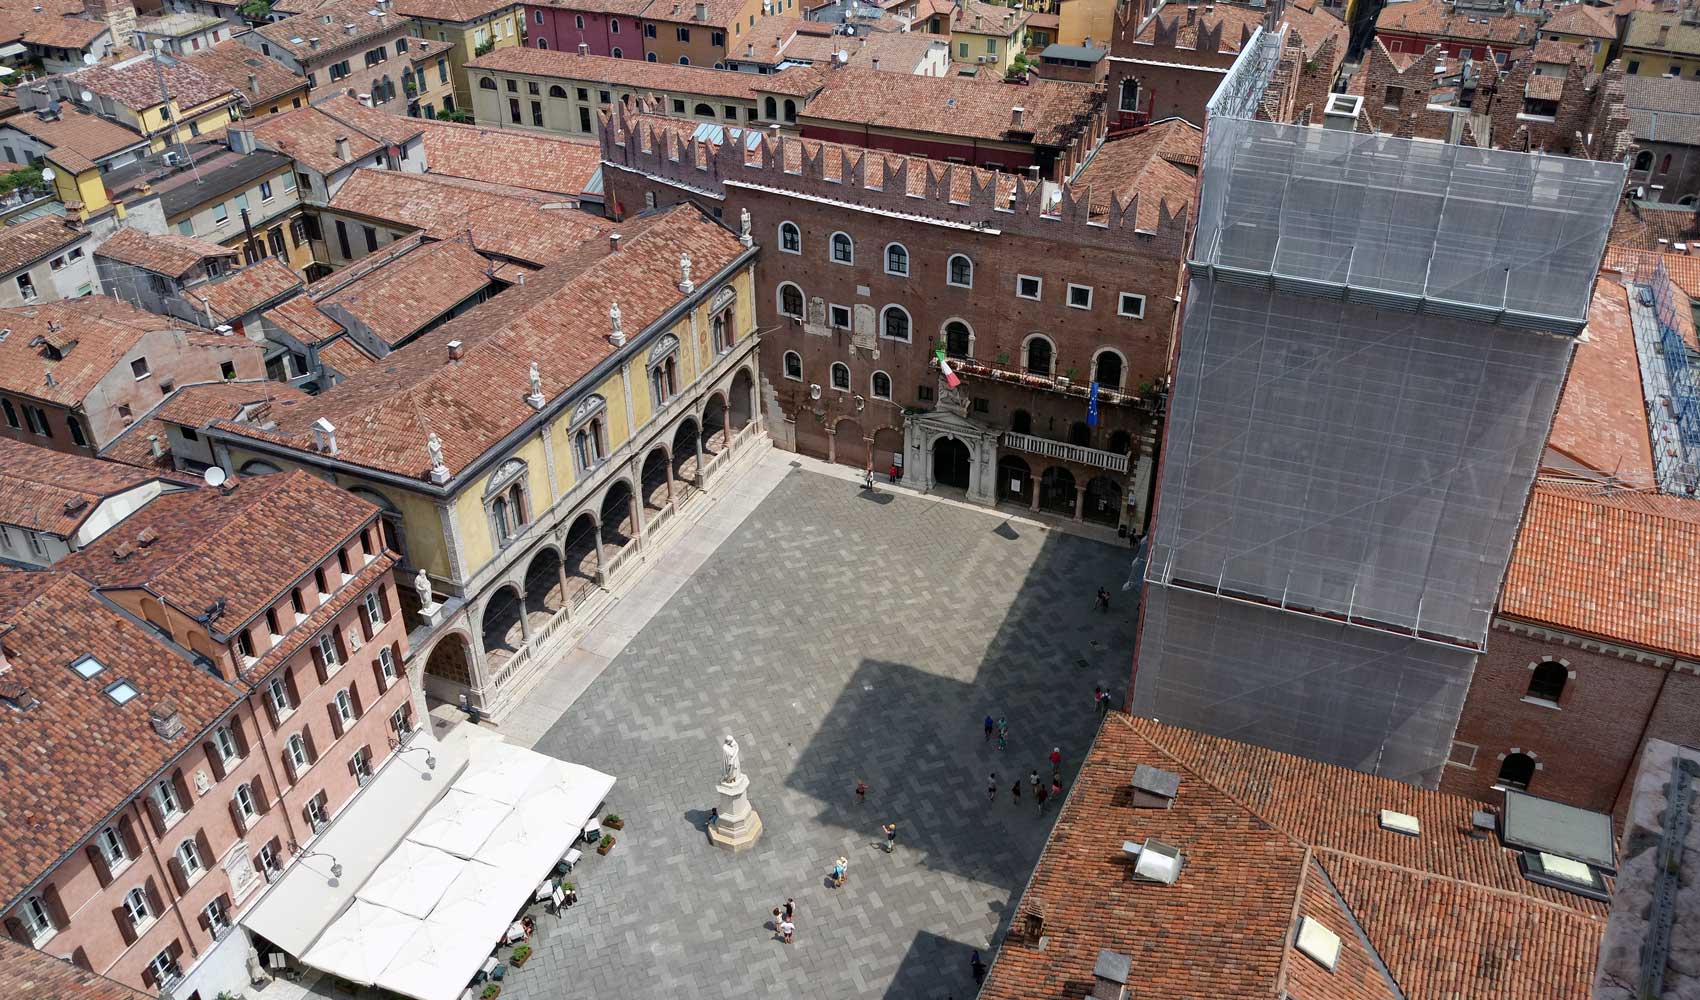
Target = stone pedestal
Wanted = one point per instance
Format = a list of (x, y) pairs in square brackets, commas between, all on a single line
[(739, 826)]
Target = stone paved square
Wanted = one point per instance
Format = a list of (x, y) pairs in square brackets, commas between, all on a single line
[(837, 636)]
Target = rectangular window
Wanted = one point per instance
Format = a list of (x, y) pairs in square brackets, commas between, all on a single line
[(924, 392), (274, 240), (1028, 287), (371, 238), (316, 816), (840, 317), (1079, 296), (112, 848), (267, 862), (374, 611), (649, 32), (678, 106), (216, 919), (245, 644), (342, 240), (537, 113), (584, 95), (298, 602), (361, 765), (532, 88), (401, 720), (186, 227), (57, 263), (165, 797), (26, 286), (224, 741), (683, 34), (991, 46), (386, 665), (327, 650), (164, 969), (717, 39), (513, 110), (278, 691), (265, 191), (139, 368), (36, 921), (443, 70), (1131, 305), (962, 50), (1463, 754)]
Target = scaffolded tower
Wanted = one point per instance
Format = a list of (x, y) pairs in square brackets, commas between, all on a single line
[(1376, 332)]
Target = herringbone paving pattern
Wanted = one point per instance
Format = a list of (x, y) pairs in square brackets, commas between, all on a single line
[(837, 636)]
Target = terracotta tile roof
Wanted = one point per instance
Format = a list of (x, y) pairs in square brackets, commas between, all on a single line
[(1611, 564), (1663, 110), (100, 329), (1662, 31), (1684, 269), (1269, 838), (170, 254), (505, 221), (949, 106), (204, 540), (650, 76), (384, 414), (231, 63), (1581, 19), (1546, 88), (619, 8), (301, 319), (134, 83), (1639, 225), (251, 288), (309, 134), (456, 11), (552, 163), (29, 242), (1433, 19), (200, 405), (408, 293), (1236, 22), (798, 81), (764, 43), (91, 138), (55, 491), (345, 356), (132, 448), (1601, 422), (321, 616), (25, 972), (58, 31), (1143, 164), (89, 754), (292, 34), (1548, 51), (721, 13), (978, 17)]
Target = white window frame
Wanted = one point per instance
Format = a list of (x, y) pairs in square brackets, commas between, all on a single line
[(1121, 305), (326, 643), (386, 665), (1068, 299), (874, 393), (164, 792), (246, 804), (397, 718), (906, 315), (948, 270), (832, 316), (1039, 291), (165, 971), (779, 300), (188, 855), (374, 610), (111, 845), (832, 249), (799, 231), (218, 921), (224, 740), (362, 761), (1025, 344), (268, 863), (345, 708), (785, 369), (832, 377), (277, 689), (885, 260), (317, 816), (137, 909), (296, 748), (37, 921)]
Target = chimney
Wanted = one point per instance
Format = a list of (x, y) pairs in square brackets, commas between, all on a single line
[(876, 60), (613, 242), (253, 83), (206, 307), (154, 448), (342, 148), (1154, 788), (120, 210), (1110, 975), (166, 721), (324, 436), (1015, 116), (146, 537), (702, 11), (583, 49), (1191, 14), (348, 29), (456, 352), (313, 43)]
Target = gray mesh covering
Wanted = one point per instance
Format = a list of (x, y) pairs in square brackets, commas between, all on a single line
[(1351, 696)]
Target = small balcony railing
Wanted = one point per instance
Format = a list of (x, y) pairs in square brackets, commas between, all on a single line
[(1078, 454)]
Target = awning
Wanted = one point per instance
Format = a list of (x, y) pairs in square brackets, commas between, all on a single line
[(412, 879), (501, 771), (362, 942), (298, 907), (436, 962), (460, 823)]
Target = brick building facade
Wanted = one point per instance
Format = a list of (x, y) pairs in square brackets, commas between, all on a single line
[(238, 727), (858, 288)]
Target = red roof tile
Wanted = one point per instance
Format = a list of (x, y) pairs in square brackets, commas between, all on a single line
[(309, 134), (55, 491), (232, 64), (1434, 19), (410, 292), (555, 164), (301, 319), (134, 83), (170, 254), (98, 331), (197, 406), (90, 138), (1582, 19), (293, 34), (29, 243), (1601, 422), (251, 288), (345, 356), (25, 972), (1052, 111), (1143, 164)]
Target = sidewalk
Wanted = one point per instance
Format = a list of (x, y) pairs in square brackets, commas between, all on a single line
[(630, 610)]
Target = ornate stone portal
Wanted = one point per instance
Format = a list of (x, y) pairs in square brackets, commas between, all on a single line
[(948, 427), (738, 825)]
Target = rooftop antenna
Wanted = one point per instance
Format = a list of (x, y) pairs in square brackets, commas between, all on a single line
[(165, 102)]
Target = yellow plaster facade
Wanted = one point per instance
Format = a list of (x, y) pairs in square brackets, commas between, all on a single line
[(499, 30), (1083, 19)]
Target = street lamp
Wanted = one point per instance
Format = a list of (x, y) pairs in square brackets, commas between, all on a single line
[(302, 855), (430, 758)]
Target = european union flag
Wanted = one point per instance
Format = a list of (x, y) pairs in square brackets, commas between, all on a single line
[(1092, 407)]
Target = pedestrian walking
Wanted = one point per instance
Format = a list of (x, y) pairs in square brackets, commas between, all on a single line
[(1015, 792), (1103, 703), (868, 478), (1097, 697), (992, 787), (1003, 734), (896, 474), (839, 869), (790, 908), (786, 930), (1033, 779), (890, 837), (1103, 600), (1041, 795), (1056, 789), (1056, 758), (991, 724), (977, 966), (861, 791)]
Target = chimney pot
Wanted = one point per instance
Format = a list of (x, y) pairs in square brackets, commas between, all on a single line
[(1015, 116), (154, 448), (456, 351), (342, 148), (583, 49), (613, 242), (702, 11), (313, 43), (167, 722), (254, 83)]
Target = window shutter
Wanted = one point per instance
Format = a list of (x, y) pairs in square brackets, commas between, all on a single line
[(97, 861), (15, 927), (239, 734), (262, 805), (127, 831), (122, 918), (336, 719), (351, 768), (176, 950), (366, 630), (271, 709), (178, 876), (154, 905), (208, 859), (319, 663), (378, 675), (236, 818), (154, 814), (312, 745), (354, 696), (288, 763), (341, 645), (294, 691), (384, 602), (56, 911), (214, 761), (185, 800), (201, 918)]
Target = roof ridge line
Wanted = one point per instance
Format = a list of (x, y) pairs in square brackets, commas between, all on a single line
[(1230, 796), (1292, 921), (1461, 882)]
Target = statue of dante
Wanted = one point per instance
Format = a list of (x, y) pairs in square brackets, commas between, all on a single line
[(729, 750)]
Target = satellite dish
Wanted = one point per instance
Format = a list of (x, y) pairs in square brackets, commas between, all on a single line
[(214, 476), (89, 59), (86, 96), (47, 174)]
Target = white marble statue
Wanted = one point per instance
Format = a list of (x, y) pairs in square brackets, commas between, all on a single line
[(536, 381), (729, 750), (744, 235), (684, 269), (614, 318), (422, 587), (434, 445)]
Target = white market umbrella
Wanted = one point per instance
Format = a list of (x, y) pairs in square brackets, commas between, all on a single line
[(358, 945), (567, 794), (438, 961), (523, 834), (485, 899), (411, 879), (501, 771), (460, 823)]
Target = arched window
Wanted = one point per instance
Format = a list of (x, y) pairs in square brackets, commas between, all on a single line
[(1121, 442), (1664, 164), (1546, 681), (771, 109), (790, 237), (896, 259), (255, 467), (543, 43), (487, 83), (961, 271), (1517, 770), (790, 301), (648, 200), (613, 26), (723, 330), (843, 249), (1040, 355), (703, 111), (649, 57), (505, 496), (616, 53), (1021, 422), (1644, 160), (790, 111), (578, 21), (894, 323), (587, 445), (879, 386), (1107, 369), (793, 365), (556, 90), (958, 339), (1129, 95), (684, 61), (841, 376)]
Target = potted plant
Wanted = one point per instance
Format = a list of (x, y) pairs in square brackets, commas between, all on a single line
[(613, 822), (606, 845), (520, 955), (492, 991)]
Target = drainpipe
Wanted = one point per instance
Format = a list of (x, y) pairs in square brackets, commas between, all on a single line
[(165, 875)]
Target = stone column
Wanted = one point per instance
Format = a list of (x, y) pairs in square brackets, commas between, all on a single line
[(601, 571), (561, 575), (1079, 500), (669, 476), (832, 445), (1033, 488), (634, 503), (476, 662)]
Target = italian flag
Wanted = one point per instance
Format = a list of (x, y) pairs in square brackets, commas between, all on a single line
[(950, 378)]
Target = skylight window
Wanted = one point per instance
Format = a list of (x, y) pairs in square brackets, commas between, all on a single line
[(1158, 862), (88, 666), (1400, 822), (122, 692), (1564, 868), (1320, 943)]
